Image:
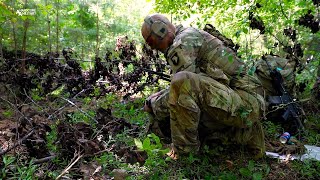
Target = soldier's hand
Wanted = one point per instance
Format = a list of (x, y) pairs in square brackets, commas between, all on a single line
[(147, 105)]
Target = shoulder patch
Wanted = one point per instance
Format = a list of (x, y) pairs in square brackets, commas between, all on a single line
[(175, 59)]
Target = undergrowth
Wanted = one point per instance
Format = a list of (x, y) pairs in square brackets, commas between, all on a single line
[(218, 162)]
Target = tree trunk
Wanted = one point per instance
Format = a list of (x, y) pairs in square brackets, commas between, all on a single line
[(97, 38), (24, 40), (24, 45), (49, 30), (57, 20), (14, 39), (14, 32), (82, 47), (1, 52)]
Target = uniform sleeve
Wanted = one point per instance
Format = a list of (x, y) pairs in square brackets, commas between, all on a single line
[(183, 53), (160, 105)]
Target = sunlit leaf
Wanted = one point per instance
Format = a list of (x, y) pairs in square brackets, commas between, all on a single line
[(138, 143)]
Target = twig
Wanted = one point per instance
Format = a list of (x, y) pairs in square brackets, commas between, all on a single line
[(86, 114), (25, 93), (18, 143), (17, 110), (283, 11), (64, 106), (97, 132), (69, 167), (42, 160)]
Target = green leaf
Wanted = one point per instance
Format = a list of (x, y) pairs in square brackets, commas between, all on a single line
[(23, 17), (7, 160), (32, 18), (168, 159), (49, 7), (7, 113), (164, 151), (138, 143), (156, 139), (146, 143), (245, 30), (267, 169), (257, 176), (238, 33), (251, 165), (245, 172)]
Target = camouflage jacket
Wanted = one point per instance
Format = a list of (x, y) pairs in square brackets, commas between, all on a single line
[(199, 52)]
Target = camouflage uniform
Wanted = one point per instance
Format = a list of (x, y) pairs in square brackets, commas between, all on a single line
[(210, 95)]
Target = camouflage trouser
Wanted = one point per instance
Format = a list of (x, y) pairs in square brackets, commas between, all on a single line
[(200, 106)]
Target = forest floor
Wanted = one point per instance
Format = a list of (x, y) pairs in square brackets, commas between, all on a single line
[(67, 135)]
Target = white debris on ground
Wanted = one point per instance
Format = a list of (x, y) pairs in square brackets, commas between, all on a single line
[(313, 152)]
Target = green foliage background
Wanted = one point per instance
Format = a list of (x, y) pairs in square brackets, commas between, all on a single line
[(92, 26), (77, 24), (231, 18)]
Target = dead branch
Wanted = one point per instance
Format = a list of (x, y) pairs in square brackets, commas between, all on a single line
[(45, 159), (86, 114), (18, 143), (70, 166), (17, 110), (58, 111), (26, 94)]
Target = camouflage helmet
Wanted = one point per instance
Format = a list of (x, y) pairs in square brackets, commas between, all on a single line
[(156, 28)]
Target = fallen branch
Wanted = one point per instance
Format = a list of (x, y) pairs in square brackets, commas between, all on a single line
[(26, 94), (86, 114), (45, 159), (58, 111), (70, 166), (17, 110), (18, 143)]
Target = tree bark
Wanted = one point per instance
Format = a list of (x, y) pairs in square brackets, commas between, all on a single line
[(1, 52), (57, 29), (49, 30), (97, 38), (24, 40), (14, 33), (82, 48)]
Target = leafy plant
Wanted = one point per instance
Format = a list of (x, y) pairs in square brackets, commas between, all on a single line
[(152, 145), (86, 117), (252, 171), (108, 161), (308, 168), (18, 171), (7, 160), (271, 130), (51, 138), (8, 113), (26, 172), (35, 95)]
